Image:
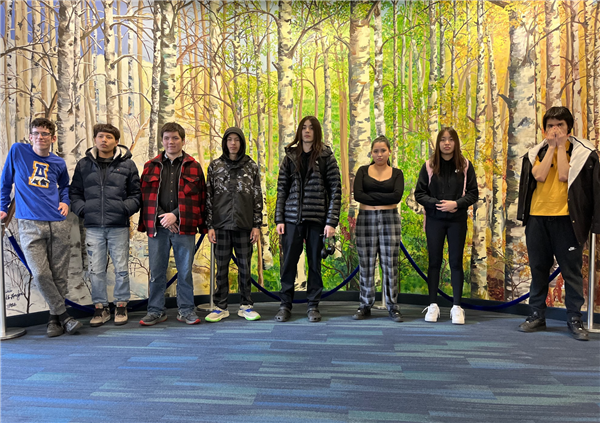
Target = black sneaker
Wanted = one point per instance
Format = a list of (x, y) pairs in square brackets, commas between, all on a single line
[(362, 313), (577, 330), (396, 316), (71, 325), (54, 328), (533, 323), (283, 315), (313, 315)]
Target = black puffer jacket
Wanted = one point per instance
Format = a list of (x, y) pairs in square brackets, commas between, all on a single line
[(233, 193), (106, 199), (317, 199)]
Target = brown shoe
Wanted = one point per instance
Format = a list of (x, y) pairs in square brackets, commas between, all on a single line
[(121, 313), (101, 316)]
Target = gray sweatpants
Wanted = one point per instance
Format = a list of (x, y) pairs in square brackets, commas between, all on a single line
[(47, 249)]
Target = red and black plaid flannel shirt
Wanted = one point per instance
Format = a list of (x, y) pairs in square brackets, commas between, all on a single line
[(191, 196)]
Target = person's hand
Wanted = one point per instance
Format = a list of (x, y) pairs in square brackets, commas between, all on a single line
[(212, 236), (254, 235), (560, 137), (63, 209), (2, 215), (167, 220), (447, 206), (329, 231), (281, 228)]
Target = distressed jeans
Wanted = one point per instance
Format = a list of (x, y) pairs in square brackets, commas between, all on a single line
[(99, 243), (159, 249)]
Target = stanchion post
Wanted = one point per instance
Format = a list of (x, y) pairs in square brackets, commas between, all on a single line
[(4, 333), (211, 305), (591, 282)]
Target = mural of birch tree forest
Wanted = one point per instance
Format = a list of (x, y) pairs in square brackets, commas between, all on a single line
[(364, 68)]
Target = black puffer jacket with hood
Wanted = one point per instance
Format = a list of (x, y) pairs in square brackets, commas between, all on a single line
[(105, 198), (317, 199), (233, 192)]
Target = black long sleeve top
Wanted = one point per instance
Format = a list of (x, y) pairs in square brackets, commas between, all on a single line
[(371, 192), (448, 185)]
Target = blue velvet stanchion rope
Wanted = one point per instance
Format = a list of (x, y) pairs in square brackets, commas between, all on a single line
[(325, 295)]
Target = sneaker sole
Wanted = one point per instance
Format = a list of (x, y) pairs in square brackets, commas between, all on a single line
[(195, 322), (95, 325), (152, 323), (458, 323), (252, 319), (215, 320), (430, 320), (536, 329), (121, 323)]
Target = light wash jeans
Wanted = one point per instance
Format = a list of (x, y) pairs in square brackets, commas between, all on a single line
[(114, 241), (159, 247)]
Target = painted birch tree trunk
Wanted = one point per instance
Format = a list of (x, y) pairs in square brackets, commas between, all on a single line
[(577, 107), (539, 136), (65, 118), (553, 78), (327, 127), (343, 114), (442, 64), (112, 104), (432, 100), (22, 74), (78, 101), (168, 64), (453, 69), (468, 98), (590, 73), (359, 93), (496, 265), (140, 70), (130, 109), (379, 103), (398, 90), (480, 208), (216, 40), (270, 158), (153, 142), (521, 137), (237, 71), (35, 92), (285, 75), (10, 78)]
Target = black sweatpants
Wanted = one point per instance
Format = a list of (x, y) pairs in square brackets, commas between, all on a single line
[(437, 231), (292, 243), (548, 237)]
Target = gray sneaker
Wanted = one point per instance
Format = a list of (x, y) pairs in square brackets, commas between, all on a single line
[(71, 325), (54, 328), (190, 319), (151, 319)]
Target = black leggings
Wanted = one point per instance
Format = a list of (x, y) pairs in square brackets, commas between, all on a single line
[(436, 232)]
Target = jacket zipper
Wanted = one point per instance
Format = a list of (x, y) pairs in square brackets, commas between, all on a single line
[(157, 192)]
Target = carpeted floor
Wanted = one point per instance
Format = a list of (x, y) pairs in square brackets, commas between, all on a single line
[(338, 370)]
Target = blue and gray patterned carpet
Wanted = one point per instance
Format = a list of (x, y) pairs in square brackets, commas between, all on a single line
[(338, 370)]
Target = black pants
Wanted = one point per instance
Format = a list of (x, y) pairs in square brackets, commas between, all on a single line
[(292, 242), (548, 237), (436, 232)]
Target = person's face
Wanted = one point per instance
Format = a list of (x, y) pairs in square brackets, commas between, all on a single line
[(41, 138), (447, 143), (380, 153), (308, 133), (233, 143), (106, 142), (173, 143), (553, 126)]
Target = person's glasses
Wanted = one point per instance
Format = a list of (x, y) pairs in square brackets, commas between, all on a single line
[(41, 134)]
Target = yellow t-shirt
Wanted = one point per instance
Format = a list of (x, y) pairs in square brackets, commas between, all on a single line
[(550, 197)]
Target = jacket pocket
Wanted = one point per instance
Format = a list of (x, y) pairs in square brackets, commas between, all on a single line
[(190, 184)]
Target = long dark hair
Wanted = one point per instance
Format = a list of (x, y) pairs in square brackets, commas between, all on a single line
[(383, 139), (317, 147), (459, 160)]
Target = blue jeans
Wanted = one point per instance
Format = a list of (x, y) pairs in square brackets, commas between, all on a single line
[(115, 242), (159, 248)]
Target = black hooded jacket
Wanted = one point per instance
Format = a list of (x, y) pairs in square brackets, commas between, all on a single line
[(317, 198), (233, 192), (106, 198)]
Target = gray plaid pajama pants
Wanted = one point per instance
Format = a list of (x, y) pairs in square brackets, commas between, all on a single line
[(228, 241), (378, 232)]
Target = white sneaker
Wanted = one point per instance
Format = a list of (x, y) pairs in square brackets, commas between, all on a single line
[(248, 313), (433, 312), (216, 315), (458, 315)]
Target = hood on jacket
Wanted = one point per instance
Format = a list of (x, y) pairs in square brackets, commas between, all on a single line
[(239, 133), (121, 153)]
